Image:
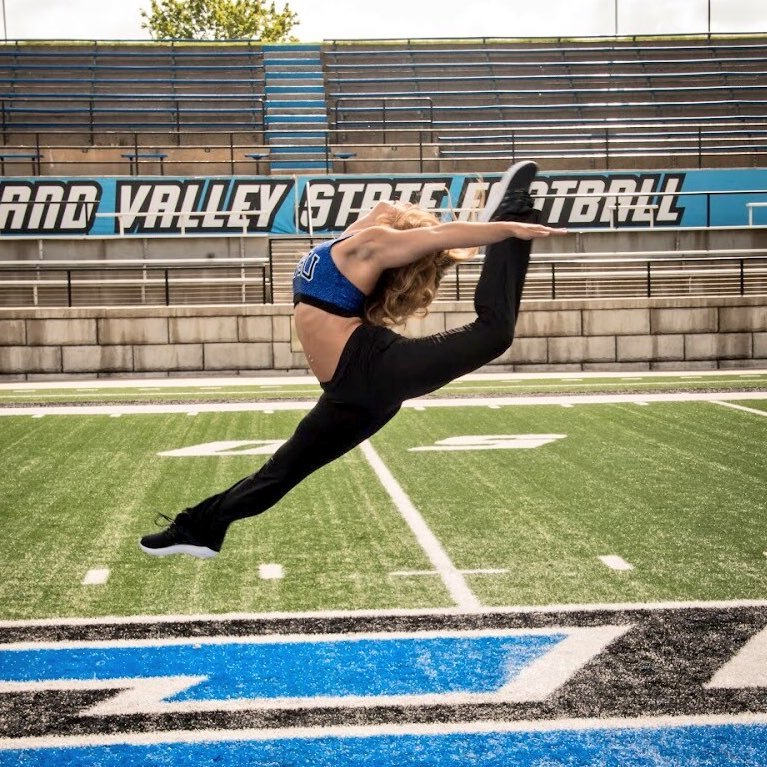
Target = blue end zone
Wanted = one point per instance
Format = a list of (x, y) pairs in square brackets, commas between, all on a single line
[(691, 746), (296, 669)]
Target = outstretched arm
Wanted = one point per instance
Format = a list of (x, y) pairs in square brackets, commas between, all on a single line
[(391, 248)]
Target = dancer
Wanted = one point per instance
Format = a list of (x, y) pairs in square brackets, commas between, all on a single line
[(381, 270)]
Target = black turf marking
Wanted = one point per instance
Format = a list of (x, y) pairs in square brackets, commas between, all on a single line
[(657, 668)]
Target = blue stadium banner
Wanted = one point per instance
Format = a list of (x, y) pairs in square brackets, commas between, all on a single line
[(323, 204)]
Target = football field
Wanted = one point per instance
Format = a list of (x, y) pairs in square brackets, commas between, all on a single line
[(516, 571)]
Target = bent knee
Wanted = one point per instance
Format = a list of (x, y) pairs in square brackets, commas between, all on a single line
[(497, 338)]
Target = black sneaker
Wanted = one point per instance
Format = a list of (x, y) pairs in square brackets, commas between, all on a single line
[(509, 198), (177, 539)]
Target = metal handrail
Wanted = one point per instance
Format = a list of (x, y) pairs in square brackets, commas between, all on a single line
[(336, 101)]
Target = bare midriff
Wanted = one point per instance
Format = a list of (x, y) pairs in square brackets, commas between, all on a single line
[(323, 337)]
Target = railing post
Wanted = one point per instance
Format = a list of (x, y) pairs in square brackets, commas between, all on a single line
[(649, 281), (271, 275), (742, 279), (553, 281), (457, 282), (420, 151), (700, 149), (607, 149), (431, 121), (231, 154), (167, 289), (263, 283), (383, 119), (90, 121), (69, 287), (708, 210)]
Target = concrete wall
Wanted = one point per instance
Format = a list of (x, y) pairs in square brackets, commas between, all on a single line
[(620, 334)]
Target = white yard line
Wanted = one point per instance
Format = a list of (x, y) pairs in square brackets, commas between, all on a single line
[(113, 620), (301, 379), (450, 574), (740, 407), (425, 403)]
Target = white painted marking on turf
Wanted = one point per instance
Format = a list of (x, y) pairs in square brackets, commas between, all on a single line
[(739, 407), (115, 415), (541, 678), (192, 413), (96, 577), (615, 562), (455, 582), (490, 442), (746, 669), (567, 404), (157, 737), (39, 415), (271, 572), (494, 407), (464, 402), (480, 571), (642, 404), (120, 620), (268, 412), (226, 447), (410, 573), (419, 407)]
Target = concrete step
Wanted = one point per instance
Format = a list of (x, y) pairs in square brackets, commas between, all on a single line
[(279, 48), (304, 63), (305, 70), (287, 166), (308, 149), (292, 74), (294, 135), (275, 121), (297, 103), (284, 90)]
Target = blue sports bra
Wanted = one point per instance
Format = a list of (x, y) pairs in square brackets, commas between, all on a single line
[(317, 281)]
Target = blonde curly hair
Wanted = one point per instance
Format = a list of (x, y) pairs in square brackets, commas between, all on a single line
[(408, 290)]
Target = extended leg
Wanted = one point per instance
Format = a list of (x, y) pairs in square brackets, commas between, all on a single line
[(328, 431)]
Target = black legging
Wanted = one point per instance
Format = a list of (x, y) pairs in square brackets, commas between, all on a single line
[(378, 370)]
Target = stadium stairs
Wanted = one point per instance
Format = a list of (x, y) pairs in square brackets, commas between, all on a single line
[(296, 110)]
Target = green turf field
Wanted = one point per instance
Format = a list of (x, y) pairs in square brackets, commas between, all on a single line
[(675, 489)]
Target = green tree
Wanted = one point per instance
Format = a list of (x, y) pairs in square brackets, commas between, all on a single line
[(219, 20)]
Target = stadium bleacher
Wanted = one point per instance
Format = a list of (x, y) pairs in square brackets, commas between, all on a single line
[(445, 106)]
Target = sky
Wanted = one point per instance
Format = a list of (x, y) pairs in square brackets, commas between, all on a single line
[(344, 19)]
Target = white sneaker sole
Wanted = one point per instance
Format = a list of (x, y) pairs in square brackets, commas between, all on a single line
[(201, 552), (499, 190)]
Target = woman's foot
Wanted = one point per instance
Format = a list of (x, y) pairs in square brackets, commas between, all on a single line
[(177, 538), (510, 199)]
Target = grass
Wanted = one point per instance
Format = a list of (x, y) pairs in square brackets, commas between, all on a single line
[(676, 489)]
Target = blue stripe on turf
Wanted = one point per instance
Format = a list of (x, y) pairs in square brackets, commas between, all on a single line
[(689, 746)]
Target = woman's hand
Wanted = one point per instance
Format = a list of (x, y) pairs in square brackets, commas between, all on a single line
[(523, 231)]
